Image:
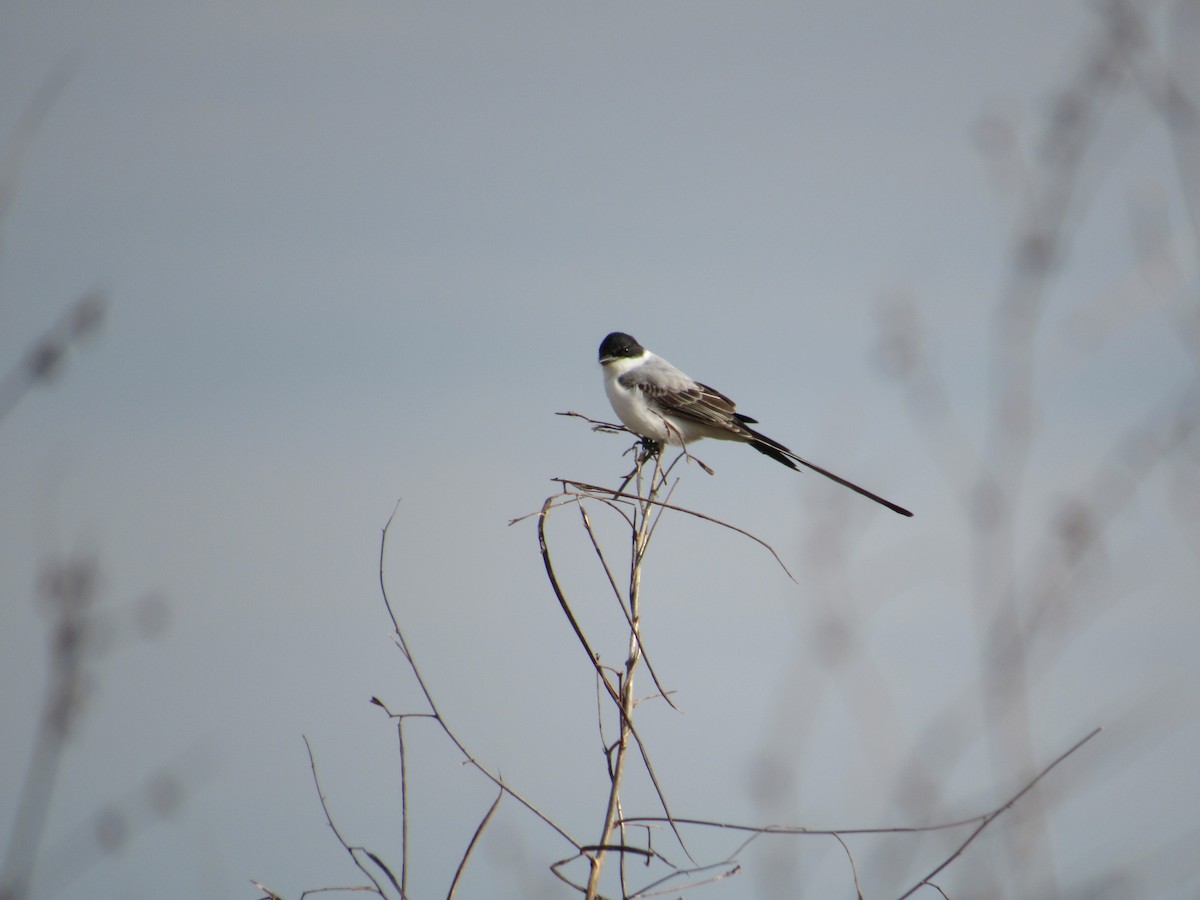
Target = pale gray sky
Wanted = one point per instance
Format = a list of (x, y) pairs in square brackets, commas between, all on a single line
[(363, 252)]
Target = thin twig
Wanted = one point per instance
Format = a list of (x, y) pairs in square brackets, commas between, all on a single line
[(270, 894), (980, 821), (399, 724), (403, 809), (587, 524), (887, 829), (991, 817), (377, 889), (386, 870), (658, 887), (592, 489), (612, 581), (667, 499), (566, 607), (338, 889), (597, 424), (471, 846), (853, 868), (436, 715), (672, 430)]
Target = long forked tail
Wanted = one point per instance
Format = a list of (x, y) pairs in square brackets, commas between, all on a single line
[(780, 453)]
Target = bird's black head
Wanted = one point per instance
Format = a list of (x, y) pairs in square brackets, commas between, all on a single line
[(619, 345)]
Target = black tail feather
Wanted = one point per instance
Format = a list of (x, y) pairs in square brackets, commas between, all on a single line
[(774, 453), (780, 453)]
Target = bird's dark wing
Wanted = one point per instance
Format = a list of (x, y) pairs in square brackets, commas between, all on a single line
[(671, 393)]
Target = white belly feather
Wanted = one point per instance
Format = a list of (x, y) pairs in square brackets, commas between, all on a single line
[(632, 410)]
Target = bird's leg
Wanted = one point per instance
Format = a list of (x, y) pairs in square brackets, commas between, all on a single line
[(686, 454), (650, 449)]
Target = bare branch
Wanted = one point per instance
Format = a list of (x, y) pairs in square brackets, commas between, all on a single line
[(566, 607), (403, 808), (853, 868), (665, 885), (598, 424), (352, 851), (587, 524), (980, 821), (991, 817), (592, 490), (471, 846), (270, 894), (436, 716)]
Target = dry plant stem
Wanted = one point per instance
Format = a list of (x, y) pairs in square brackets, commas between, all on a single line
[(375, 887), (403, 809), (663, 886), (587, 524), (436, 716), (642, 511), (594, 659), (623, 859), (853, 867), (679, 883), (641, 537), (566, 607), (270, 894), (986, 820), (980, 822), (592, 490), (471, 846)]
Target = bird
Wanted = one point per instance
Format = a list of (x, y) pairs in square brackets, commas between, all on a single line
[(663, 405)]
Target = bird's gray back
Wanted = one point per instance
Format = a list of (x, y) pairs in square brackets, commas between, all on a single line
[(657, 376)]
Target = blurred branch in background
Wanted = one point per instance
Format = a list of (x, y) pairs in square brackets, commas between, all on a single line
[(68, 591), (1040, 562), (46, 356), (18, 146), (78, 634), (45, 359)]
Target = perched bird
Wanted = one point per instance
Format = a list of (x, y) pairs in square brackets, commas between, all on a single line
[(656, 401)]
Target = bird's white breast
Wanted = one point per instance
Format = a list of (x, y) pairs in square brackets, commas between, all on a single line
[(629, 404)]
